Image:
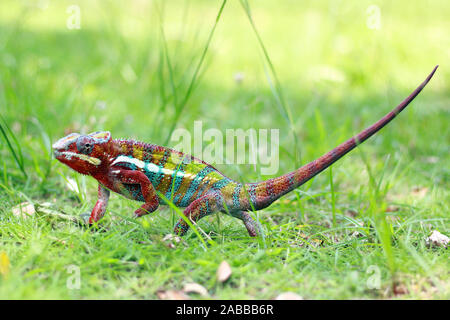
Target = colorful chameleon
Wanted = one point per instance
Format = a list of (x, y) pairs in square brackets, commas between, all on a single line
[(138, 170)]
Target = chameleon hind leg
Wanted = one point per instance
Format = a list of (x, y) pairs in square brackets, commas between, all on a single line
[(198, 209), (249, 223)]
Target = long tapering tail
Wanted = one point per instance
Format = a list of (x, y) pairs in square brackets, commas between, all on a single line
[(263, 193)]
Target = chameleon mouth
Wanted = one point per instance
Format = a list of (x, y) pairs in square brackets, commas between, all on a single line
[(69, 155)]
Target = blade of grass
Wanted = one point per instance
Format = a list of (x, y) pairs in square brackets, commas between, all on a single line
[(180, 107), (167, 58), (17, 155), (333, 196), (382, 227), (45, 145), (275, 86)]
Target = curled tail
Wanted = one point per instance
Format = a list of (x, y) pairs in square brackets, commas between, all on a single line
[(262, 194)]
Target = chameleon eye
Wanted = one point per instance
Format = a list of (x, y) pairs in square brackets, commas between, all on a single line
[(85, 145)]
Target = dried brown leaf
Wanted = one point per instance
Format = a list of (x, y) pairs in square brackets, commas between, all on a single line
[(356, 234), (171, 240), (24, 210), (171, 295), (392, 209), (195, 288), (171, 237), (352, 213), (419, 192), (223, 272), (288, 295), (400, 289), (437, 239)]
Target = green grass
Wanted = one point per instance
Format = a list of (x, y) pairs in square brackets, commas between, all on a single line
[(312, 69)]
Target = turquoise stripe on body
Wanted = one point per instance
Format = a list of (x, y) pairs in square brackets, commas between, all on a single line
[(160, 173), (195, 184), (221, 183), (236, 192), (177, 183)]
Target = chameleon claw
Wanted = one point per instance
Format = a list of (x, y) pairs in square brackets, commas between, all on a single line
[(85, 222), (136, 214), (139, 213), (145, 209), (85, 217)]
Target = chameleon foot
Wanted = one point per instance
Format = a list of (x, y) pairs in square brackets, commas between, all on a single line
[(249, 223), (146, 208), (85, 217)]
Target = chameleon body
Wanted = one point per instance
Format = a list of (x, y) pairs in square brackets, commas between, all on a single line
[(138, 170)]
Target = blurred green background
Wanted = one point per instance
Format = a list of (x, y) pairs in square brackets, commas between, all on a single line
[(320, 72)]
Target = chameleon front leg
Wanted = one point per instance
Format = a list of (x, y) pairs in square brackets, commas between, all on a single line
[(100, 207), (147, 189), (198, 209)]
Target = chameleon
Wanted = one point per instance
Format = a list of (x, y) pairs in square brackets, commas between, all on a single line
[(146, 172)]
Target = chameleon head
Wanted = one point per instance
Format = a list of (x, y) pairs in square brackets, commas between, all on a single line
[(83, 153)]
